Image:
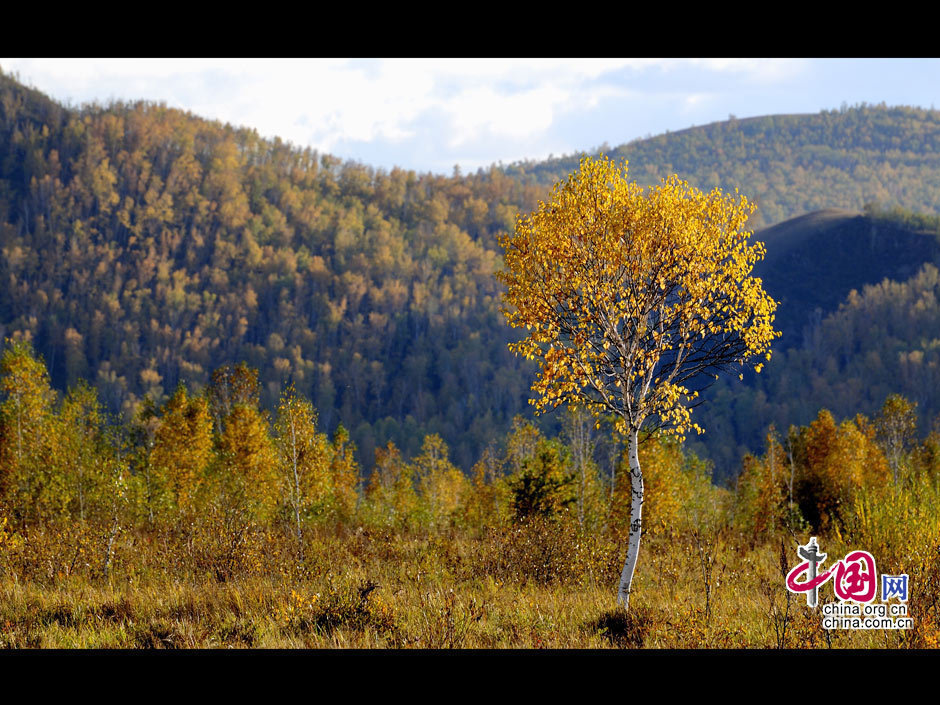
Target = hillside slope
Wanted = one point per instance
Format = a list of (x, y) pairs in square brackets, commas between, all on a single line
[(849, 286), (142, 246), (793, 164), (813, 261)]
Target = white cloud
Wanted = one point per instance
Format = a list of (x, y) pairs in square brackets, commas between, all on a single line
[(331, 103), (764, 70), (325, 101), (694, 100)]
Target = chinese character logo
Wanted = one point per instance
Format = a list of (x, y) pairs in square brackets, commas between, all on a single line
[(894, 586), (856, 578), (853, 577), (813, 581)]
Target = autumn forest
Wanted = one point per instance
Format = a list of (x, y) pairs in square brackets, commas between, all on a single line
[(255, 396)]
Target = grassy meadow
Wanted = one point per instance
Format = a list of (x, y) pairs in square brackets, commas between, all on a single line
[(206, 524), (543, 584)]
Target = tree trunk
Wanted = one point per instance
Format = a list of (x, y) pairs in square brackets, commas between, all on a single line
[(636, 522)]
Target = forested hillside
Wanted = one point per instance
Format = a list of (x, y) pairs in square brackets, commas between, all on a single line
[(793, 164), (860, 320), (143, 246)]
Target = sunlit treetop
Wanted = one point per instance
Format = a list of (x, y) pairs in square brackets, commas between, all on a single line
[(630, 293)]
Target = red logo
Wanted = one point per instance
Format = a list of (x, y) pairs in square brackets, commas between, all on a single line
[(854, 577)]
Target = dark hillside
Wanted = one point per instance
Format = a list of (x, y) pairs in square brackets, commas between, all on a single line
[(814, 261), (141, 247)]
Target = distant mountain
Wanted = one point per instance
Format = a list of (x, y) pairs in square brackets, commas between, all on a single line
[(816, 259), (142, 246), (792, 164), (858, 307)]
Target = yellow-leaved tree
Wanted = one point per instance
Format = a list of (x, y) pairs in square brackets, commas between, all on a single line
[(441, 485), (246, 472), (303, 456), (28, 487), (182, 449), (630, 294), (391, 496), (344, 474)]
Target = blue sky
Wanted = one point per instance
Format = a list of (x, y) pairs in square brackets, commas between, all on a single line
[(432, 114)]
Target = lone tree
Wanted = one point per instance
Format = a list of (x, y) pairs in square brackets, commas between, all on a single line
[(628, 296)]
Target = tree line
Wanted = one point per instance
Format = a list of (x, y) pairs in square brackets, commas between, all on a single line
[(143, 247), (215, 453), (792, 164)]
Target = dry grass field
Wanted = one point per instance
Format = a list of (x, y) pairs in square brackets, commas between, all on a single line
[(540, 585)]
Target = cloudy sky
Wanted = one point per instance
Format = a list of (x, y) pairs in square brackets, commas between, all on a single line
[(432, 114)]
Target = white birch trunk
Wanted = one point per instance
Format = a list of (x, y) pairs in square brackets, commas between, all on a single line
[(636, 522)]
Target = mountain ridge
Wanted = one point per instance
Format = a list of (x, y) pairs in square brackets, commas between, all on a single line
[(143, 246)]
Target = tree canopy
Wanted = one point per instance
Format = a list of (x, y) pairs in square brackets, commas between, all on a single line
[(631, 294)]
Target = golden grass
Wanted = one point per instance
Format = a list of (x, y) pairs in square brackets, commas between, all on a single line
[(355, 588)]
